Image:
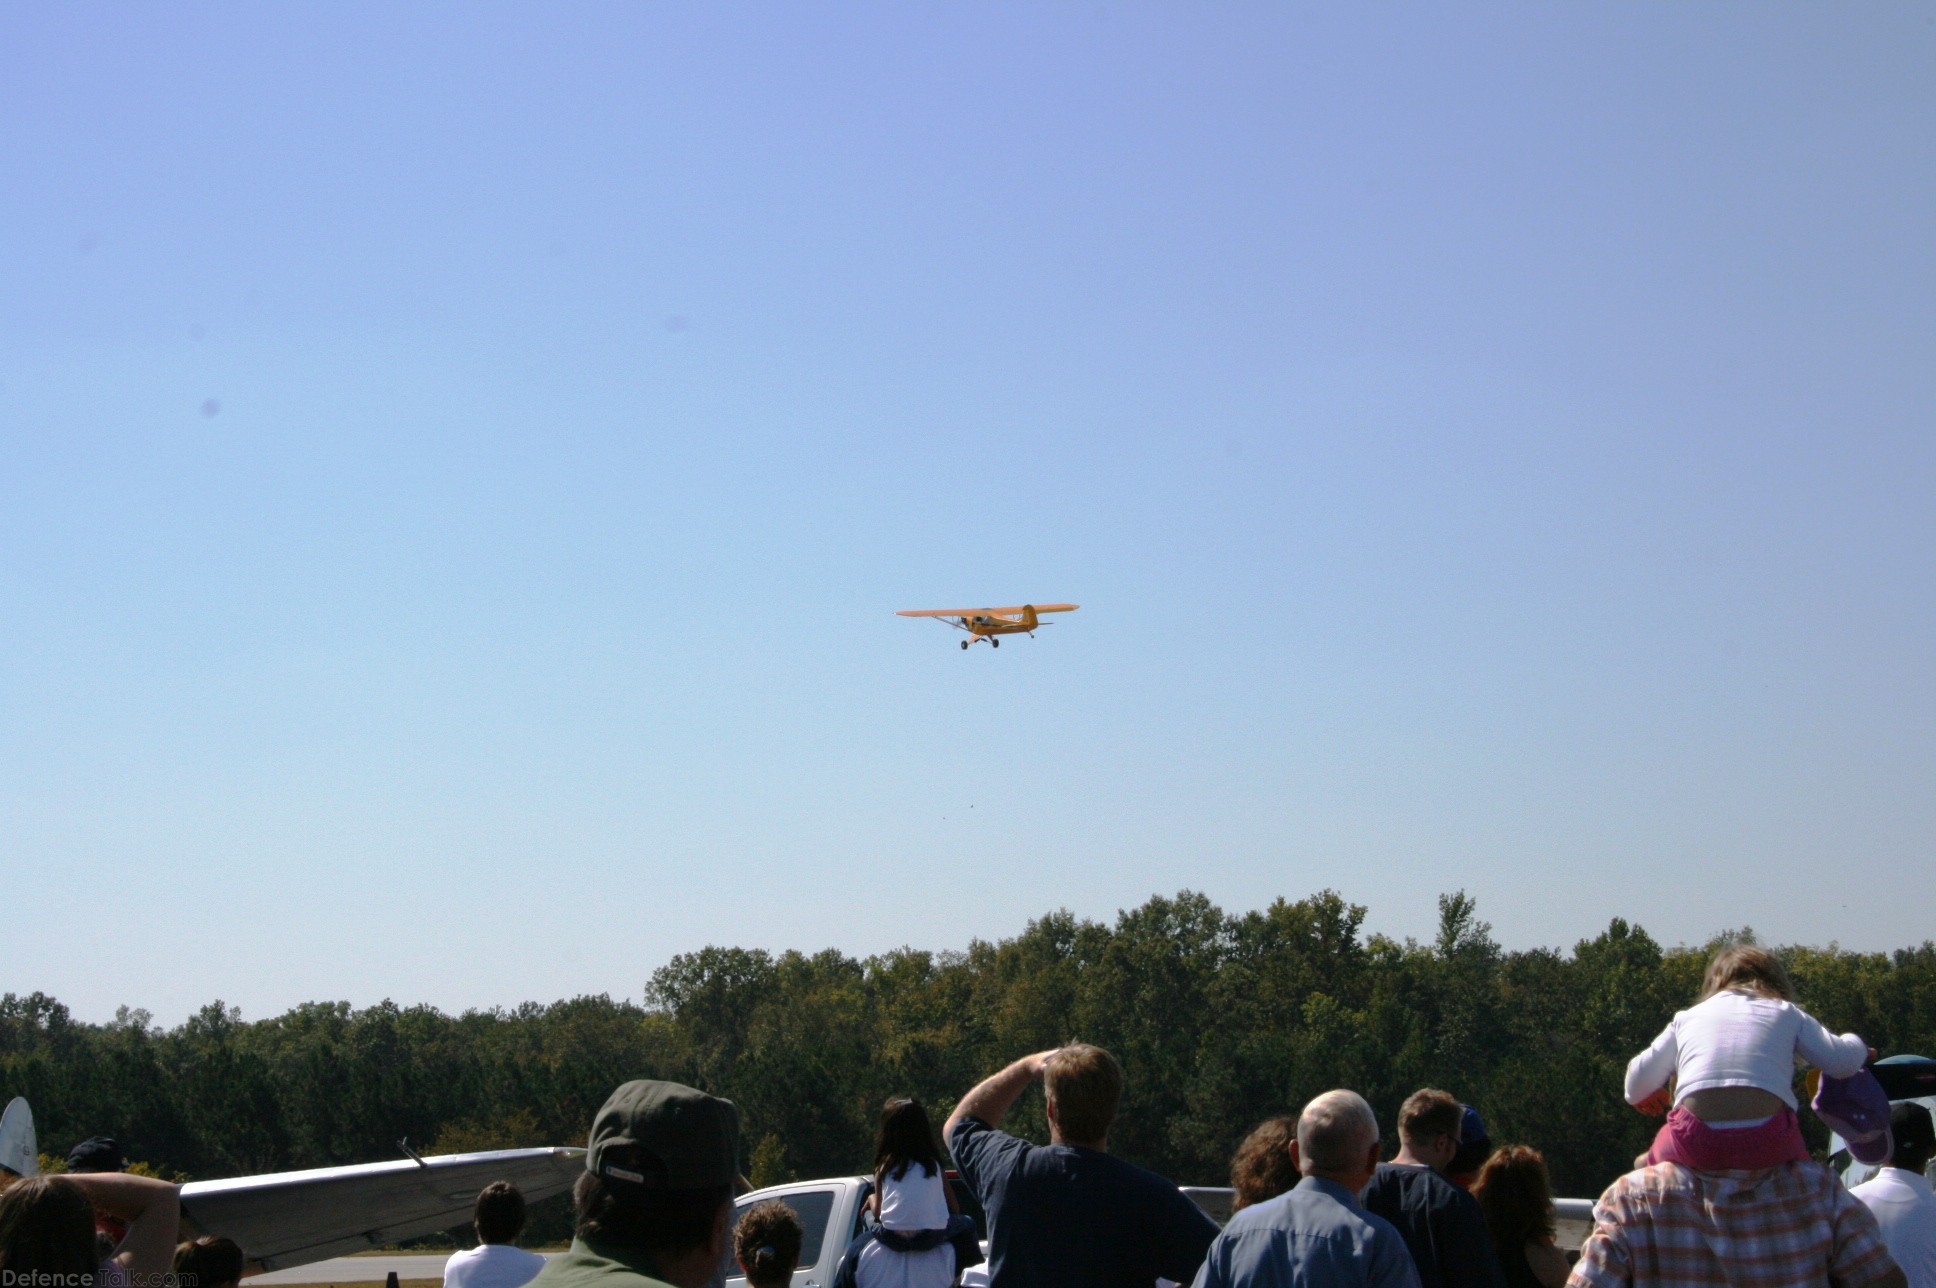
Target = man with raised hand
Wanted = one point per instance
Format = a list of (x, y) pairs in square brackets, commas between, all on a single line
[(1068, 1214), (1316, 1234)]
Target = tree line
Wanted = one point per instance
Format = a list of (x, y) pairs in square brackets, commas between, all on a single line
[(1220, 1020)]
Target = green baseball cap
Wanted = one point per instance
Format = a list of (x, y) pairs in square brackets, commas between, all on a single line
[(664, 1136)]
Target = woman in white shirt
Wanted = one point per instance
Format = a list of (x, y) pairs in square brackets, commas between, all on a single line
[(1730, 1063)]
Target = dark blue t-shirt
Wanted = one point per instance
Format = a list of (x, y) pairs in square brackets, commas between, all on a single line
[(1441, 1224), (1060, 1216)]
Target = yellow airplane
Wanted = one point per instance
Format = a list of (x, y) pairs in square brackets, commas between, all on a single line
[(987, 623)]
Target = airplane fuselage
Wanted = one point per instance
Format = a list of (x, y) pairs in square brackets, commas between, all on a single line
[(990, 624)]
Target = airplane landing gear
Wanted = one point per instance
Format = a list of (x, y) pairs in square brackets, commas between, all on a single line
[(993, 642), (964, 644)]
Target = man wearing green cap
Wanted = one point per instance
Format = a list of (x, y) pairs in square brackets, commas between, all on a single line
[(655, 1203)]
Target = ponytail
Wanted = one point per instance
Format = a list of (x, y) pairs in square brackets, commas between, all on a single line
[(766, 1243)]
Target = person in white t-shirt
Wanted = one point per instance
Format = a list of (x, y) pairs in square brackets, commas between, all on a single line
[(1730, 1061), (1900, 1196), (495, 1262), (911, 1199)]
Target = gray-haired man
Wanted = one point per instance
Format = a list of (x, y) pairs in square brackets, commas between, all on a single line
[(1317, 1235)]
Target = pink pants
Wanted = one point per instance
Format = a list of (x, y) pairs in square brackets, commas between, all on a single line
[(1690, 1142)]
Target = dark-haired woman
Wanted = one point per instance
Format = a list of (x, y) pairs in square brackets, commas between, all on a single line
[(766, 1243), (1516, 1197), (913, 1204)]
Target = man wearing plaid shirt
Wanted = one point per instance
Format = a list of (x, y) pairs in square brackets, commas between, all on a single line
[(1791, 1226)]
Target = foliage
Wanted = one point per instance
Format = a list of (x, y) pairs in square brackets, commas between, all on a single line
[(1219, 1019)]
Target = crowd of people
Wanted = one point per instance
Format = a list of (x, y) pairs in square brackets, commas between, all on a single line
[(1727, 1193), (1723, 1196)]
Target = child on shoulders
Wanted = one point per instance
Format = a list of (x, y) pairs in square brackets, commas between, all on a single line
[(1730, 1063), (913, 1204)]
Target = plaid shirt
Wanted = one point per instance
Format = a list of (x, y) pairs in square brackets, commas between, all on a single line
[(1792, 1226)]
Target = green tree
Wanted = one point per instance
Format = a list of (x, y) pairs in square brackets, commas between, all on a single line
[(1219, 1019)]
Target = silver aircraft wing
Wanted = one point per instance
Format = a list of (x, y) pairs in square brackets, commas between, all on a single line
[(285, 1219)]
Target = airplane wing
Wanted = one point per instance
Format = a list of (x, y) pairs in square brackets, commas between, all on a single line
[(288, 1219), (971, 612)]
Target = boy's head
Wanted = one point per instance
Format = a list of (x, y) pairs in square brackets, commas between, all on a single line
[(499, 1215), (1914, 1136)]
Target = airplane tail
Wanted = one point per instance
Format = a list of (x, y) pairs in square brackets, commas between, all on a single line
[(1029, 620), (19, 1151)]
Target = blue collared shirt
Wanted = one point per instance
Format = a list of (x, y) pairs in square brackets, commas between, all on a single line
[(1314, 1236)]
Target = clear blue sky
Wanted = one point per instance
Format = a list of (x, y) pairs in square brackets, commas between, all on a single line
[(459, 465)]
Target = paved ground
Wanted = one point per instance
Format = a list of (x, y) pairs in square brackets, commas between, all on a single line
[(347, 1270)]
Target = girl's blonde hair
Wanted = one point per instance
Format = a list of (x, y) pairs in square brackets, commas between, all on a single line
[(1750, 969)]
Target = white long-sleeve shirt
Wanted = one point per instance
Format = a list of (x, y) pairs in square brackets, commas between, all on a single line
[(1737, 1039)]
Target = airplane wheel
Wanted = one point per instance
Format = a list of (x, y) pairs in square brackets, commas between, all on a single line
[(964, 643), (996, 643)]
